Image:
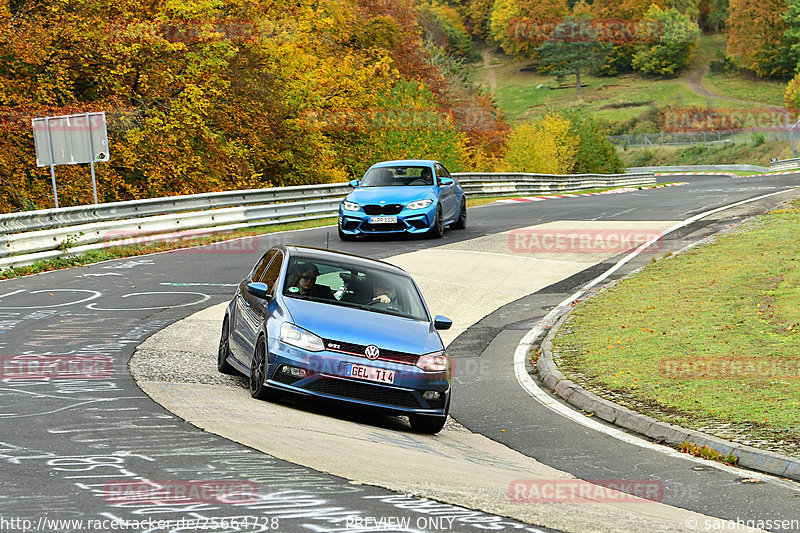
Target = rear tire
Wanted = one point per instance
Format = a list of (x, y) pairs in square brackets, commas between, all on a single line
[(258, 371), (437, 229), (461, 223), (224, 350)]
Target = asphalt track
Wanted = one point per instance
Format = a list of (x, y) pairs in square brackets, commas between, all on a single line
[(63, 440)]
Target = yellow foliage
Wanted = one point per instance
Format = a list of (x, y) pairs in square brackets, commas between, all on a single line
[(546, 146)]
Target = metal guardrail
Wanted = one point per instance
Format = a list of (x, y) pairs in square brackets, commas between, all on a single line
[(45, 234), (785, 164)]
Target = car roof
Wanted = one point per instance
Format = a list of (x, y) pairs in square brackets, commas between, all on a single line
[(309, 252), (424, 162)]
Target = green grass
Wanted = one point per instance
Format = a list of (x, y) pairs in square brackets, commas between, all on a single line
[(735, 301), (739, 154), (526, 95)]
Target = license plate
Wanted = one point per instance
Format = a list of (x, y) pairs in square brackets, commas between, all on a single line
[(383, 220), (369, 373)]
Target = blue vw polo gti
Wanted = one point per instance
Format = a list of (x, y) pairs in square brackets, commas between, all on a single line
[(411, 196), (340, 327)]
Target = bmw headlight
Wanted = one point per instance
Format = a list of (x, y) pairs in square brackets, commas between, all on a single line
[(434, 362), (296, 336), (350, 206), (419, 204)]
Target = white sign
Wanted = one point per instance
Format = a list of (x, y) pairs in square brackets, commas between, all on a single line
[(73, 139)]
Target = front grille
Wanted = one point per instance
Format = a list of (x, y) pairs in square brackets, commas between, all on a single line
[(349, 224), (359, 349), (388, 209), (364, 392)]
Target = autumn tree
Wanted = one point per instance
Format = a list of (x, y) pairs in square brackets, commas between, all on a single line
[(675, 37), (546, 146), (572, 47), (756, 37), (521, 26)]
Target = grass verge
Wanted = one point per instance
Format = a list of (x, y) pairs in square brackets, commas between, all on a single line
[(743, 153), (707, 339)]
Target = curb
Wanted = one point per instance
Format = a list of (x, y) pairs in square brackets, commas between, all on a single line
[(729, 174), (661, 432), (576, 194)]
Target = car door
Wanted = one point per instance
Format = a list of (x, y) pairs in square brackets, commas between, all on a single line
[(238, 324), (447, 194), (249, 309), (256, 309)]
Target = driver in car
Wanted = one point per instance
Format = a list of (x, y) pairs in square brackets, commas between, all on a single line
[(383, 292)]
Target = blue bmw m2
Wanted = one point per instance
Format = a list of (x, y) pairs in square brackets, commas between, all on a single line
[(411, 196), (338, 327)]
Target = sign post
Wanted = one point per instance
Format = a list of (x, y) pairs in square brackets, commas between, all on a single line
[(70, 140)]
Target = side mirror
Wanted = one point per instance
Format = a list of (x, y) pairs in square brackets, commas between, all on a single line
[(444, 182), (442, 322), (259, 290), (354, 183)]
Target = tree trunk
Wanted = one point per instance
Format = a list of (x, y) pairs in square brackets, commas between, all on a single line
[(578, 82)]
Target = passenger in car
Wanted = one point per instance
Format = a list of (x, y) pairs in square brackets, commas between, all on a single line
[(304, 280)]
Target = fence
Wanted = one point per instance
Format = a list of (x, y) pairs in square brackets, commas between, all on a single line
[(707, 138), (45, 234)]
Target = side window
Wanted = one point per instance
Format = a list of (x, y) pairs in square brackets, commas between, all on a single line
[(441, 172), (258, 271), (271, 275)]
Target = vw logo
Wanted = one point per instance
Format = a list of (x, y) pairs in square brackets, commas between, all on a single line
[(372, 352)]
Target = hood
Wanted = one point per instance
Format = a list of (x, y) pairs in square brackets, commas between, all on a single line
[(348, 324), (391, 195)]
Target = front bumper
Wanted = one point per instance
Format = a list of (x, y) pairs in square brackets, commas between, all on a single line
[(408, 221), (325, 378)]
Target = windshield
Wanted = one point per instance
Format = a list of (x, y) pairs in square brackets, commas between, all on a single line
[(399, 176), (344, 284)]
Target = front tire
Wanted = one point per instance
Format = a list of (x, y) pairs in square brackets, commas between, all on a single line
[(430, 424), (258, 372), (224, 350), (345, 236), (437, 229)]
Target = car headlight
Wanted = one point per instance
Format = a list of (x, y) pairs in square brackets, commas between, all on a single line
[(296, 336), (419, 204), (350, 206), (434, 362)]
